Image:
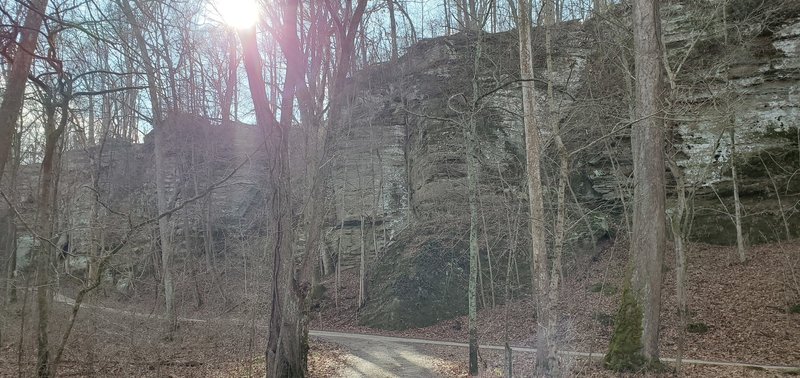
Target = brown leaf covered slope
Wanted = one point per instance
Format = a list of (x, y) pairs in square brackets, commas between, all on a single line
[(749, 311)]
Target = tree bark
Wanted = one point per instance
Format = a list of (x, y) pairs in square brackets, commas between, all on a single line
[(362, 268), (679, 223), (8, 246), (550, 367), (634, 344), (44, 220), (287, 343), (471, 149), (18, 78), (736, 203), (230, 82), (472, 185), (392, 30), (8, 227), (539, 274)]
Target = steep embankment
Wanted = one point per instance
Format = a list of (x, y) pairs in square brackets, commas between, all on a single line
[(737, 312), (400, 184)]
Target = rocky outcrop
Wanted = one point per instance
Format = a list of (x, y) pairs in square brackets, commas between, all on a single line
[(106, 189), (743, 81), (740, 76)]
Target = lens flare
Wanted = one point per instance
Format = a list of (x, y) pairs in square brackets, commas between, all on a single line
[(240, 14)]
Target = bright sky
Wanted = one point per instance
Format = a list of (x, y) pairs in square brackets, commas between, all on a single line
[(240, 14)]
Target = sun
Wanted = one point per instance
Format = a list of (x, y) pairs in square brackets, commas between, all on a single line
[(240, 14)]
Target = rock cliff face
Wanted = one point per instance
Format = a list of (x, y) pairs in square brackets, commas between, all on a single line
[(402, 166), (749, 87), (106, 189), (398, 183)]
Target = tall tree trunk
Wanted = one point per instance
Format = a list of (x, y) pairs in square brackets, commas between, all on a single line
[(230, 82), (736, 203), (550, 366), (318, 171), (161, 174), (8, 228), (447, 16), (362, 267), (679, 223), (11, 241), (44, 220), (472, 185), (8, 247), (634, 344), (392, 29), (472, 189), (90, 132), (287, 343), (539, 274), (18, 77)]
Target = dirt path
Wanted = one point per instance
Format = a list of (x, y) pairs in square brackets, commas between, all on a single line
[(374, 357), (387, 356)]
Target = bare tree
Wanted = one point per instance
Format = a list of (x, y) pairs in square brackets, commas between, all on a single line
[(160, 157), (18, 77), (287, 332), (736, 202), (634, 343), (539, 261)]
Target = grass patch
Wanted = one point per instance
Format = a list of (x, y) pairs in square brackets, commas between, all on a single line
[(794, 309), (606, 289), (697, 328), (605, 320)]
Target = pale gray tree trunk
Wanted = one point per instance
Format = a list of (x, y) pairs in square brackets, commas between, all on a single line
[(362, 268), (539, 263), (550, 367), (9, 244), (230, 81), (737, 205), (161, 174), (90, 131), (634, 344), (473, 180), (679, 223), (318, 170), (393, 29)]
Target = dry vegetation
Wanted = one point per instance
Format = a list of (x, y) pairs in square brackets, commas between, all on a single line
[(746, 308)]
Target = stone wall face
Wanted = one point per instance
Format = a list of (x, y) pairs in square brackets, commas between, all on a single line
[(105, 189), (413, 115)]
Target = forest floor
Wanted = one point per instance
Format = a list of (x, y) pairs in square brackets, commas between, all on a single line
[(738, 312), (747, 309)]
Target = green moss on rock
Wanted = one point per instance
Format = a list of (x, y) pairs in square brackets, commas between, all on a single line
[(421, 280)]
